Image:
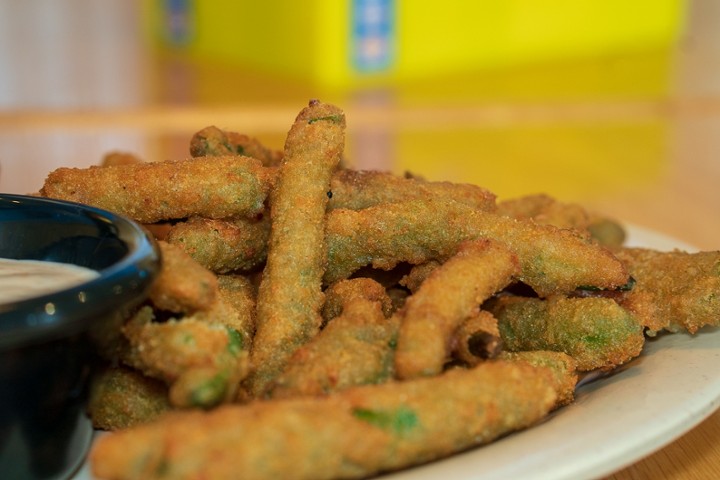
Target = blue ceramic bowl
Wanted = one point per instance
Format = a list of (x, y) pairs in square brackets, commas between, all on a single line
[(45, 355)]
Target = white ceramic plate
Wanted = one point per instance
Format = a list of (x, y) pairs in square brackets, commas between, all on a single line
[(615, 420)]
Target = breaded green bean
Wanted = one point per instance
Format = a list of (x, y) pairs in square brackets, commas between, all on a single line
[(214, 142), (202, 362), (223, 245), (445, 299), (339, 294), (552, 260), (183, 285), (354, 348), (358, 189), (290, 294), (674, 290), (562, 365), (418, 274), (355, 433), (597, 332), (121, 397), (546, 210), (239, 294), (220, 187)]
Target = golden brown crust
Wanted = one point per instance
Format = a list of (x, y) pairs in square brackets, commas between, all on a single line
[(447, 298), (290, 294), (220, 187)]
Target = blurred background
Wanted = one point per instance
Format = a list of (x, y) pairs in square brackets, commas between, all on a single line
[(611, 103), (592, 101)]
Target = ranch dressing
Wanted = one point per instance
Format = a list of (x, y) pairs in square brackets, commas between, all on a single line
[(23, 279)]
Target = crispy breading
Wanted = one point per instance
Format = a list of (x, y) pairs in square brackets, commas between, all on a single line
[(547, 210), (223, 246), (358, 189), (183, 285), (354, 348), (212, 141), (219, 187), (351, 434), (121, 397), (339, 294), (674, 290), (290, 294), (597, 332), (552, 260), (445, 299), (202, 362), (562, 365)]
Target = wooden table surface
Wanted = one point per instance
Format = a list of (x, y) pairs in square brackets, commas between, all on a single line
[(636, 136)]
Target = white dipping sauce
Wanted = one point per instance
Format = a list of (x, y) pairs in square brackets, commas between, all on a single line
[(23, 279)]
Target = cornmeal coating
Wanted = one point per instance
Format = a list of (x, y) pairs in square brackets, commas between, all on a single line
[(339, 294), (223, 246), (214, 187), (290, 294), (239, 295), (547, 210), (355, 433), (446, 298), (183, 285), (214, 142), (417, 275), (544, 209), (202, 362), (552, 260), (358, 189), (562, 365), (354, 348), (597, 332), (674, 291), (121, 397)]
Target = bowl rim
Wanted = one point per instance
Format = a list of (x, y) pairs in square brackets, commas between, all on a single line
[(124, 283)]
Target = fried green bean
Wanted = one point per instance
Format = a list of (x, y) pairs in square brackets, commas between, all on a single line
[(220, 187), (674, 290), (290, 293), (597, 332), (183, 285), (552, 260), (241, 244), (546, 210), (223, 246), (121, 397), (202, 362), (418, 274), (358, 189), (214, 142), (239, 294), (354, 348), (562, 365), (355, 433), (339, 294), (445, 299)]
